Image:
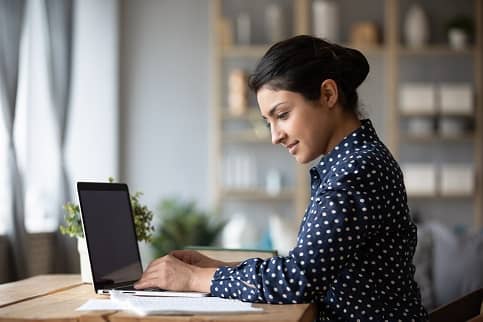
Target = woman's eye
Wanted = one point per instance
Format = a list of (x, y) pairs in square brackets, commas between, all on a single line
[(283, 116), (267, 124)]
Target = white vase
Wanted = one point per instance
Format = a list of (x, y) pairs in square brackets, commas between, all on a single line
[(274, 23), (416, 27), (240, 232), (85, 264), (458, 39), (283, 232), (243, 29), (326, 19)]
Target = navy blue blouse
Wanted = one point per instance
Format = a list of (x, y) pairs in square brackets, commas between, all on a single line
[(355, 246)]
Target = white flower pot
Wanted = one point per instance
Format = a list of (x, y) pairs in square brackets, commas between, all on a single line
[(85, 264), (416, 27)]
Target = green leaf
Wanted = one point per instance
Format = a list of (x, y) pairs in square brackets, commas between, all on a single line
[(182, 224), (141, 214)]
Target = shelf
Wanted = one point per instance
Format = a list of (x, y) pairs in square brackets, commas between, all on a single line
[(439, 196), (437, 137), (257, 194), (418, 113), (255, 51), (434, 114), (369, 50), (435, 50), (246, 137), (390, 59)]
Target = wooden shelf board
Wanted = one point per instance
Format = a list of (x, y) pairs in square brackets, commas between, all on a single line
[(255, 51), (436, 137), (456, 114), (369, 50), (257, 194), (435, 50), (440, 196), (251, 114), (434, 114), (248, 137), (258, 51), (417, 113)]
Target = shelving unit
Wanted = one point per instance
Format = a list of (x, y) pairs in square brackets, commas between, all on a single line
[(444, 145), (389, 58)]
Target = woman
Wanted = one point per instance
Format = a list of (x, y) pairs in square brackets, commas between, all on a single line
[(356, 241)]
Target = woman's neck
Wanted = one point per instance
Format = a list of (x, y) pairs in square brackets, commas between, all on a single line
[(349, 122)]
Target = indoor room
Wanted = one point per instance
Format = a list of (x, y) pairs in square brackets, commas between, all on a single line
[(175, 105)]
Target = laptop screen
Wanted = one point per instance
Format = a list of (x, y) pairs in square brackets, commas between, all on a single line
[(110, 234)]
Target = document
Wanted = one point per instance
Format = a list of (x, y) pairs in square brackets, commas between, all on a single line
[(170, 305), (101, 305)]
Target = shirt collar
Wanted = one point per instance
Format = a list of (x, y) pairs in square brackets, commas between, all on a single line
[(353, 140)]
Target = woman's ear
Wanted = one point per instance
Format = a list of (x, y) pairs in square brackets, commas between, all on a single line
[(329, 92)]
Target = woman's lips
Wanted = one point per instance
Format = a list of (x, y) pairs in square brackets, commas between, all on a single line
[(291, 148)]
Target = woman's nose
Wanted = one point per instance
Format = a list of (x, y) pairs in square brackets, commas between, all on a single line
[(277, 135)]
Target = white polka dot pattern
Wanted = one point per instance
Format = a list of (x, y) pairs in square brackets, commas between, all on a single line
[(355, 245)]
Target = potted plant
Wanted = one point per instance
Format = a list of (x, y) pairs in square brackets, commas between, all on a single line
[(73, 227), (460, 31), (182, 224)]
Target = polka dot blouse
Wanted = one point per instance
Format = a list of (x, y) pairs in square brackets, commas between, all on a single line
[(354, 250)]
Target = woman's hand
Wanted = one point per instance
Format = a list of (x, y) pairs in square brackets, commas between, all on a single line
[(196, 258), (171, 273)]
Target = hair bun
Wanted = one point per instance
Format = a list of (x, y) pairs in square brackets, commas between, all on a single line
[(353, 65)]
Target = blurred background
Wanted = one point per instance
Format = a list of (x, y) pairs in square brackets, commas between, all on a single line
[(154, 94)]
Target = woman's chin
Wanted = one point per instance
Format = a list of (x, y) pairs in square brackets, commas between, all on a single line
[(305, 159), (301, 159)]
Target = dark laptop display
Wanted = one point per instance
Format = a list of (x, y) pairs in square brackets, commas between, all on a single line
[(108, 224), (111, 240)]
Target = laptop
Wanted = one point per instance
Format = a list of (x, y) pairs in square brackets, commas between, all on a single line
[(111, 240)]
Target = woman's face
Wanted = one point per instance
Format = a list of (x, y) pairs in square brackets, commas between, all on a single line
[(303, 127)]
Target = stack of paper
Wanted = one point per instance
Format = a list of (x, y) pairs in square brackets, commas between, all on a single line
[(170, 305)]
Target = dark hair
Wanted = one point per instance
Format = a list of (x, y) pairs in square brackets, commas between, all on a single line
[(301, 63)]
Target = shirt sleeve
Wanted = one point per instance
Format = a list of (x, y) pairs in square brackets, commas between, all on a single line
[(335, 227)]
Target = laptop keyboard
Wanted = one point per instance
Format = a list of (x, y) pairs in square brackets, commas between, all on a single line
[(131, 288)]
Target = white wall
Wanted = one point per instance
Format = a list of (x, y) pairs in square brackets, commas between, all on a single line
[(93, 138), (165, 93)]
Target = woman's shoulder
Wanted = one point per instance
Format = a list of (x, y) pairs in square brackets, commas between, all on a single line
[(366, 168)]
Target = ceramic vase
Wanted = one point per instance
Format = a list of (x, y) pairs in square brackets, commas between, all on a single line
[(416, 27), (243, 29), (85, 264), (274, 23), (326, 19), (237, 92)]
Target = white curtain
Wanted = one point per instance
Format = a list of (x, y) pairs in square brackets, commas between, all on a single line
[(36, 128), (35, 110), (11, 17), (44, 89), (59, 18)]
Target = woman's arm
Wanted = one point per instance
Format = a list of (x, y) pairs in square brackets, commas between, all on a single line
[(197, 259), (181, 270)]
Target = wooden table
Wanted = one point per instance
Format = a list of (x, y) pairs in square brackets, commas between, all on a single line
[(55, 298)]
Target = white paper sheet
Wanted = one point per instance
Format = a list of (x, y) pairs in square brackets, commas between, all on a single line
[(169, 305), (101, 305)]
